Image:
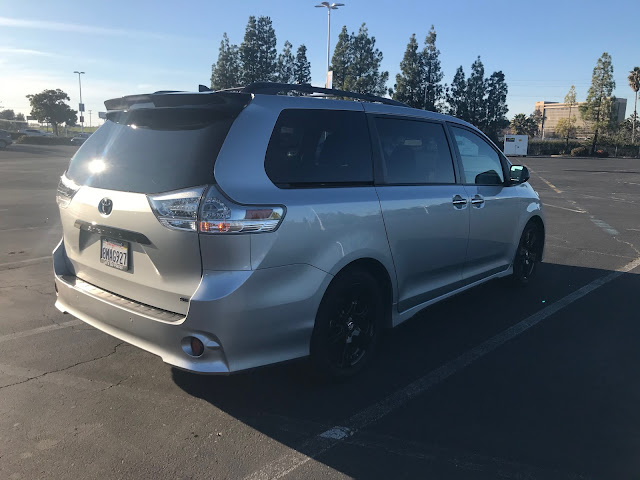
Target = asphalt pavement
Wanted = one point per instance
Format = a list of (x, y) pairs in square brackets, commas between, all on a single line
[(497, 382)]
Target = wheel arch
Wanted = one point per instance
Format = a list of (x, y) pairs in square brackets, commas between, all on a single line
[(539, 224), (381, 274)]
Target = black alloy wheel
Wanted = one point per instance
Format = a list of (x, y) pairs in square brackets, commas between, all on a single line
[(348, 325), (527, 255)]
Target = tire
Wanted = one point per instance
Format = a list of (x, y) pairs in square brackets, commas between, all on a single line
[(348, 325), (3, 144), (527, 257)]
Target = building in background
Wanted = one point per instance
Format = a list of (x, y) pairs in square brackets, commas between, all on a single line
[(554, 111)]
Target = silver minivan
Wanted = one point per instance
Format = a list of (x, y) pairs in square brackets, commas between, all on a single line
[(228, 230)]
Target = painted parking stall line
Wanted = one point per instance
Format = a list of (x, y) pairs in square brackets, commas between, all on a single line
[(332, 437), (36, 331)]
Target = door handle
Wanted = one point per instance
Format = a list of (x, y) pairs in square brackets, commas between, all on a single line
[(477, 201), (459, 202)]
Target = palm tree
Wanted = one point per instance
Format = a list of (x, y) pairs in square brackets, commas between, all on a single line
[(634, 83)]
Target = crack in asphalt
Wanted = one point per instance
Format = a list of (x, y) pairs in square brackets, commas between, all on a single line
[(37, 377)]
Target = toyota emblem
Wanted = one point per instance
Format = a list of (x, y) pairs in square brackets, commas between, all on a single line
[(105, 206)]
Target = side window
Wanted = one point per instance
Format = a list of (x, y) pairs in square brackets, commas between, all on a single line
[(414, 152), (319, 147), (480, 162)]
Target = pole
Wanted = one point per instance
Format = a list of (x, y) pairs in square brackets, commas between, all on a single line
[(89, 118), (635, 114), (326, 82), (81, 113)]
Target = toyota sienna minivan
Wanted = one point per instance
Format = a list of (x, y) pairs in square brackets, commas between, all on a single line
[(228, 230)]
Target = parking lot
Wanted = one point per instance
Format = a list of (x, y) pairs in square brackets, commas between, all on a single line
[(497, 382)]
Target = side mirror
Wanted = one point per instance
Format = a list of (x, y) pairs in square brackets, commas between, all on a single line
[(519, 174)]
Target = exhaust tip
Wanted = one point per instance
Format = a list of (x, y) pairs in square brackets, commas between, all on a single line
[(193, 346)]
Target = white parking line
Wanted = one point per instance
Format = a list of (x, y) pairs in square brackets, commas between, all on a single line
[(23, 263), (36, 331), (604, 226), (549, 184), (565, 208), (332, 437)]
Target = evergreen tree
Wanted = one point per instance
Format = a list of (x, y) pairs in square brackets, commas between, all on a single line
[(597, 110), (258, 56), (475, 98), (267, 59), (225, 73), (286, 64), (364, 74), (342, 58), (433, 88), (249, 52), (302, 67), (409, 87), (570, 99), (457, 96), (496, 106)]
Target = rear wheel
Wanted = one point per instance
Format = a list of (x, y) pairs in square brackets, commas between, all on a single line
[(527, 255), (3, 144), (348, 325)]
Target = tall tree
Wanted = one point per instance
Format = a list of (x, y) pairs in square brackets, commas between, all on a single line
[(7, 114), (409, 87), (20, 117), (496, 106), (597, 108), (634, 83), (523, 125), (49, 106), (225, 73), (457, 96), (570, 99), (342, 58), (286, 64), (433, 88), (364, 75), (302, 67), (476, 88), (258, 51), (267, 47), (566, 127)]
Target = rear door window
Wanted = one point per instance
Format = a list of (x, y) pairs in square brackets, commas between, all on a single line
[(314, 148), (414, 152)]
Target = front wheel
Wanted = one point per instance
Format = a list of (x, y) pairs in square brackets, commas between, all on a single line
[(527, 255), (348, 325)]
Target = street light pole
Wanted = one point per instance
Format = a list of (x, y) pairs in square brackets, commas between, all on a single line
[(81, 106), (329, 7)]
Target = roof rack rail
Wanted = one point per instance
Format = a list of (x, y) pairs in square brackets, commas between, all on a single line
[(271, 88)]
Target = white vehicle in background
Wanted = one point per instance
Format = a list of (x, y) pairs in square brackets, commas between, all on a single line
[(80, 138), (32, 132)]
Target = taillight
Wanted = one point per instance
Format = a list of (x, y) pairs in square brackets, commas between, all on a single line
[(220, 215), (66, 190), (177, 210)]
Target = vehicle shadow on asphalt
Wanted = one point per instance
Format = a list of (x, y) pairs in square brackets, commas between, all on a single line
[(289, 404)]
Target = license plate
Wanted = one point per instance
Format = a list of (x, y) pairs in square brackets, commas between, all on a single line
[(114, 253)]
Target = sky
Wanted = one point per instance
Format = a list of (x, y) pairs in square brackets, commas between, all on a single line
[(127, 47)]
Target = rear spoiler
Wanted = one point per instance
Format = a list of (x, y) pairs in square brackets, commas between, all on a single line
[(235, 100)]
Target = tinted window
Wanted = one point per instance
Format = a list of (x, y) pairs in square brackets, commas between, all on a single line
[(414, 152), (163, 151), (319, 147), (480, 162)]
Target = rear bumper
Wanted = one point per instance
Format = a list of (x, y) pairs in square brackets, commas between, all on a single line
[(245, 319)]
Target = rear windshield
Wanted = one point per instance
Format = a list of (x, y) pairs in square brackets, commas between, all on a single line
[(151, 152)]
